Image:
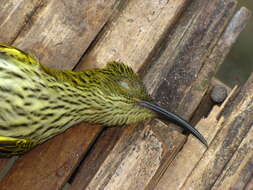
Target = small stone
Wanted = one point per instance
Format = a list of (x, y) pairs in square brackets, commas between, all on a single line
[(219, 94)]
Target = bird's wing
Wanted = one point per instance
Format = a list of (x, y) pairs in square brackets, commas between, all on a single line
[(10, 146), (20, 56)]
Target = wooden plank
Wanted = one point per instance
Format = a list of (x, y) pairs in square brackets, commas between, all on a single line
[(238, 171), (14, 15), (169, 45), (185, 62), (129, 159), (135, 30), (96, 156), (59, 38), (218, 55), (224, 145), (75, 24), (170, 141), (129, 153), (176, 175)]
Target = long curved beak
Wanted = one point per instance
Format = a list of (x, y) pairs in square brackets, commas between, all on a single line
[(168, 116)]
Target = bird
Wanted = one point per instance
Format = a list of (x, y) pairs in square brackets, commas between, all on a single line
[(38, 102)]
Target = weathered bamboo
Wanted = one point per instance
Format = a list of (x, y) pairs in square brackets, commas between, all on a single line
[(238, 172), (59, 38), (235, 127), (13, 17), (175, 175)]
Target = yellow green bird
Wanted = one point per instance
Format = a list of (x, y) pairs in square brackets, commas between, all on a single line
[(37, 102)]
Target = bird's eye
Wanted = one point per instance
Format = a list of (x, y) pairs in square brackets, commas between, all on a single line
[(124, 84)]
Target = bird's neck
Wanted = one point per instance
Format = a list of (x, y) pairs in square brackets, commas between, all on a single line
[(67, 103)]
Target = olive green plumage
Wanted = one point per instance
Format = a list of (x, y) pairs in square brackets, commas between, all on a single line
[(37, 102)]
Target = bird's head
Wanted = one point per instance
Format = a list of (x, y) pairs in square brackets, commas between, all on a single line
[(123, 99)]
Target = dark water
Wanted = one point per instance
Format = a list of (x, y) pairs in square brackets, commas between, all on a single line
[(239, 63)]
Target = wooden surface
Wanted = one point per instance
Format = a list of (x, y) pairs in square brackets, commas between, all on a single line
[(129, 159), (133, 33), (60, 32), (13, 17), (177, 178), (176, 175), (201, 170), (224, 145), (176, 46), (238, 172)]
